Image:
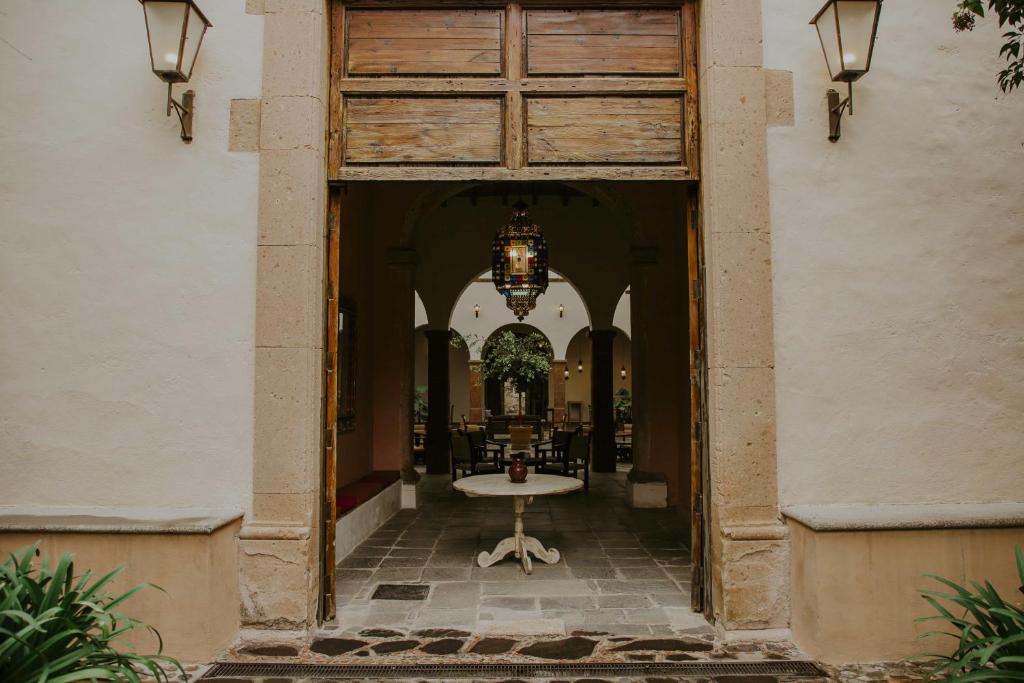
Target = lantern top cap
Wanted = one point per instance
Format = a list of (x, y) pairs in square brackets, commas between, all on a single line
[(190, 3), (828, 3)]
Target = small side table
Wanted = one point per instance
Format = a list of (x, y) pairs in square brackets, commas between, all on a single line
[(522, 495)]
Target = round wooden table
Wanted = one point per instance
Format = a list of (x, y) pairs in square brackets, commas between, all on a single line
[(522, 495)]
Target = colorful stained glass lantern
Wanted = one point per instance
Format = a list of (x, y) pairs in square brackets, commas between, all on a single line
[(519, 262)]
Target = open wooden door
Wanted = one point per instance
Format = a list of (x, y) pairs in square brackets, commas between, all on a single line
[(700, 592), (329, 510)]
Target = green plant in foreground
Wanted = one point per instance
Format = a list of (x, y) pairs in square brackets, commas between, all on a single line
[(989, 633), (55, 628)]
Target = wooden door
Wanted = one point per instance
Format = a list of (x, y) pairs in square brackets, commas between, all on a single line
[(512, 91), (700, 591)]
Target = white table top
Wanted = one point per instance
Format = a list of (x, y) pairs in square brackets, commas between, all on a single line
[(499, 485)]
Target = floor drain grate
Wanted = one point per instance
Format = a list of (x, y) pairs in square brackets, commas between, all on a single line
[(515, 670)]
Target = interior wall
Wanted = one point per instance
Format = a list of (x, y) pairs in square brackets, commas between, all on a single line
[(577, 387), (898, 262), (494, 314), (355, 448), (127, 264)]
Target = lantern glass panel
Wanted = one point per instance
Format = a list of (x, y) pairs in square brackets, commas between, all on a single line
[(857, 23), (829, 36), (518, 258), (165, 22), (193, 37)]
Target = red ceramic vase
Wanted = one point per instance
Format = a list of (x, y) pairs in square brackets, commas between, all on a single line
[(517, 470)]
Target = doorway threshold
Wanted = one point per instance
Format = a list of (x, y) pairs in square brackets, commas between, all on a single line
[(772, 670)]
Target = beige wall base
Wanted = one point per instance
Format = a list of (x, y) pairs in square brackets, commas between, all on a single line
[(855, 593), (408, 496), (197, 611), (647, 494)]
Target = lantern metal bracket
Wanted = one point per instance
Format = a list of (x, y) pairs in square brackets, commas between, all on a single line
[(836, 109), (183, 109)]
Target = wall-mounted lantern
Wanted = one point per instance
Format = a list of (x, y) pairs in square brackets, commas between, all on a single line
[(579, 366), (846, 29), (561, 310), (175, 30), (476, 310), (567, 374), (622, 372)]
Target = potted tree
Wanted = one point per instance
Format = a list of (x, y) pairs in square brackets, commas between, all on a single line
[(519, 359)]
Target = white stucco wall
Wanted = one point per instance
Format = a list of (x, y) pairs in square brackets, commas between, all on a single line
[(899, 267), (127, 263), (494, 314)]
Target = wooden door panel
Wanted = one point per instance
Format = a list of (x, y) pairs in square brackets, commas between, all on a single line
[(604, 130), (603, 42), (424, 42), (420, 130)]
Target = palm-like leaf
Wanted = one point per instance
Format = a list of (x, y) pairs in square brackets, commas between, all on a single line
[(55, 628), (990, 631)]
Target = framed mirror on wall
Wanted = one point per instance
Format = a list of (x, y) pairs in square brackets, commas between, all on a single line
[(347, 329)]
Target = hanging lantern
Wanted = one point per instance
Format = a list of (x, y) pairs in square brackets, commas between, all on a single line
[(519, 262)]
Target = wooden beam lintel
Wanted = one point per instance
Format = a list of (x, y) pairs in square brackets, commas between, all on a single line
[(579, 173), (544, 86)]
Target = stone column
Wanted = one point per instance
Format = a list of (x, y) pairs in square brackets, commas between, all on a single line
[(279, 565), (476, 392), (749, 545), (602, 439), (558, 368), (438, 424), (646, 486)]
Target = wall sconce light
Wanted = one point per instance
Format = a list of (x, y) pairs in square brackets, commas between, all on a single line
[(175, 30), (561, 310), (476, 310), (567, 374), (579, 366), (622, 372), (846, 29)]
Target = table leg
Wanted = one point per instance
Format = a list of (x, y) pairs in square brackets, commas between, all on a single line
[(520, 544)]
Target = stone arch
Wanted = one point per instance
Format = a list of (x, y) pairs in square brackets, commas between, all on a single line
[(493, 314), (433, 197)]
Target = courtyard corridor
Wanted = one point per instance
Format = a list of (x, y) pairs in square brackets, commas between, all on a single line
[(623, 571)]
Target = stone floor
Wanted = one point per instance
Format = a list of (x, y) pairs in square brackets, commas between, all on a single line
[(622, 572)]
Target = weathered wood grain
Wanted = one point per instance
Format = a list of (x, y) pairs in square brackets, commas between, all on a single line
[(424, 42), (395, 130), (604, 130), (603, 41), (494, 173), (554, 86)]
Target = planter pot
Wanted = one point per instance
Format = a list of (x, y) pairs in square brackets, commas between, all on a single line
[(522, 436)]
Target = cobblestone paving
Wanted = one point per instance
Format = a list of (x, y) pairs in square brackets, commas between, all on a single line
[(623, 571)]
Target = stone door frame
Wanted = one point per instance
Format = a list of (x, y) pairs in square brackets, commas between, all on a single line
[(279, 544)]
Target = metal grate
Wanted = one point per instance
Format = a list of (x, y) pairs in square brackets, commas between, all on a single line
[(515, 670)]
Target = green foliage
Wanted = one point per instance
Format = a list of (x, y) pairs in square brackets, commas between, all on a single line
[(989, 631), (1011, 16), (623, 405), (419, 403), (517, 358), (55, 628)]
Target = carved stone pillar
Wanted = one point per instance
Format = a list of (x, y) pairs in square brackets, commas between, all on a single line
[(402, 320), (601, 387), (438, 398), (558, 368), (646, 485)]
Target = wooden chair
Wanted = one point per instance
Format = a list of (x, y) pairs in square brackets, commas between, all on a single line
[(575, 458), (471, 455), (554, 450)]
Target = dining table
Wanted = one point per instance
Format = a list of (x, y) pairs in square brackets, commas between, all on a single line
[(522, 494)]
